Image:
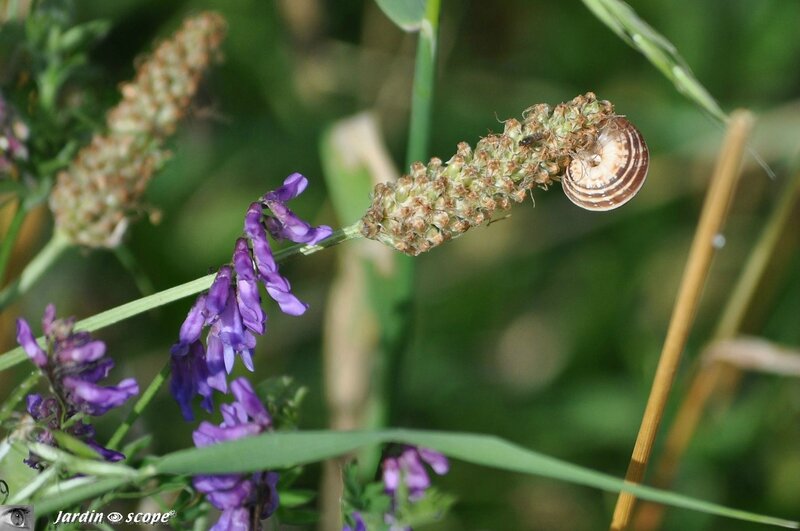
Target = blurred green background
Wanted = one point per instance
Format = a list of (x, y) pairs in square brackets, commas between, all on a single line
[(543, 328)]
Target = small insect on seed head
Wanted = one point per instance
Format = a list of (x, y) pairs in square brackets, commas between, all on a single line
[(609, 173)]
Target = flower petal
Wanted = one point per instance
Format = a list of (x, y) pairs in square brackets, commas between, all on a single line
[(292, 186), (233, 520), (86, 353), (436, 460), (244, 394), (96, 400), (28, 343), (218, 292), (278, 289), (191, 328)]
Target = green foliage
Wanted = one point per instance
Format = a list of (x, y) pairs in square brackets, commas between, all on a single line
[(624, 21), (283, 398), (407, 14), (542, 329)]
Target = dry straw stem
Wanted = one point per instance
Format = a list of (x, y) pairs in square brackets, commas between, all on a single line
[(721, 190), (351, 329), (713, 377)]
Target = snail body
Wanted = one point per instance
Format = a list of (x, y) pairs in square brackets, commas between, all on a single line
[(610, 172)]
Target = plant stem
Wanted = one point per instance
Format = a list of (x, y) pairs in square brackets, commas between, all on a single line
[(10, 238), (422, 95), (395, 306), (708, 376), (133, 308), (721, 190), (19, 393), (41, 262), (129, 262), (140, 406)]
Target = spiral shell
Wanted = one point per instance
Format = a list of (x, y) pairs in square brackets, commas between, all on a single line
[(612, 171)]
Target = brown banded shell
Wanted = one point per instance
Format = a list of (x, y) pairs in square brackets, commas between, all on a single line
[(610, 173)]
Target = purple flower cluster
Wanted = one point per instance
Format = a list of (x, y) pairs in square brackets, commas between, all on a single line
[(74, 366), (244, 499), (409, 469), (231, 310)]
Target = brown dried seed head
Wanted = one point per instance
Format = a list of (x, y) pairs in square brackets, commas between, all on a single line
[(502, 169)]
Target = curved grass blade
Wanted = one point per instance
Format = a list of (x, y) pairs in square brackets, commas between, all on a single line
[(407, 14), (624, 21), (279, 450)]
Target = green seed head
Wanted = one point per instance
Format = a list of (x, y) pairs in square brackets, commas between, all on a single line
[(440, 201)]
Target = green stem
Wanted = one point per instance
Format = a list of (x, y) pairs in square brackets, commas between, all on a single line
[(422, 96), (19, 393), (129, 262), (140, 406), (395, 306), (10, 239), (35, 269), (133, 308)]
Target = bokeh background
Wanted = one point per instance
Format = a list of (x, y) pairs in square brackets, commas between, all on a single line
[(543, 328)]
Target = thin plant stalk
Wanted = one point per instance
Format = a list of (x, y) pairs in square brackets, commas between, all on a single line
[(10, 238), (714, 376), (721, 189), (18, 394), (36, 268), (129, 262), (193, 287), (140, 405), (395, 329)]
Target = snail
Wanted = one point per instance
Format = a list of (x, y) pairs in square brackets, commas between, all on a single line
[(612, 171)]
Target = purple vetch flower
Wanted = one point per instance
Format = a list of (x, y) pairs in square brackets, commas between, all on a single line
[(358, 523), (73, 364), (231, 310), (242, 498), (409, 468), (284, 224)]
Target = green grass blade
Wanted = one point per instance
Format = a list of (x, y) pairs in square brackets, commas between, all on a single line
[(279, 450), (407, 14), (624, 21)]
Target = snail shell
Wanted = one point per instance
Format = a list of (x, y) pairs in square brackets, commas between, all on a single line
[(610, 173)]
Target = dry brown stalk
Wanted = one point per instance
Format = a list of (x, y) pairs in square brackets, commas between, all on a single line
[(721, 190), (714, 378)]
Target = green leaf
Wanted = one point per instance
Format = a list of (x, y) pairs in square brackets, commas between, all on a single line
[(69, 497), (407, 14), (74, 445), (624, 21), (281, 450), (347, 173), (297, 497)]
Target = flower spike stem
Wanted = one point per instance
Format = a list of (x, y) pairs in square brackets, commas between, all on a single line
[(193, 287), (35, 269), (721, 189), (395, 331)]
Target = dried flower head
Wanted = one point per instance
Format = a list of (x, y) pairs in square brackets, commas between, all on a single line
[(440, 201), (93, 200)]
